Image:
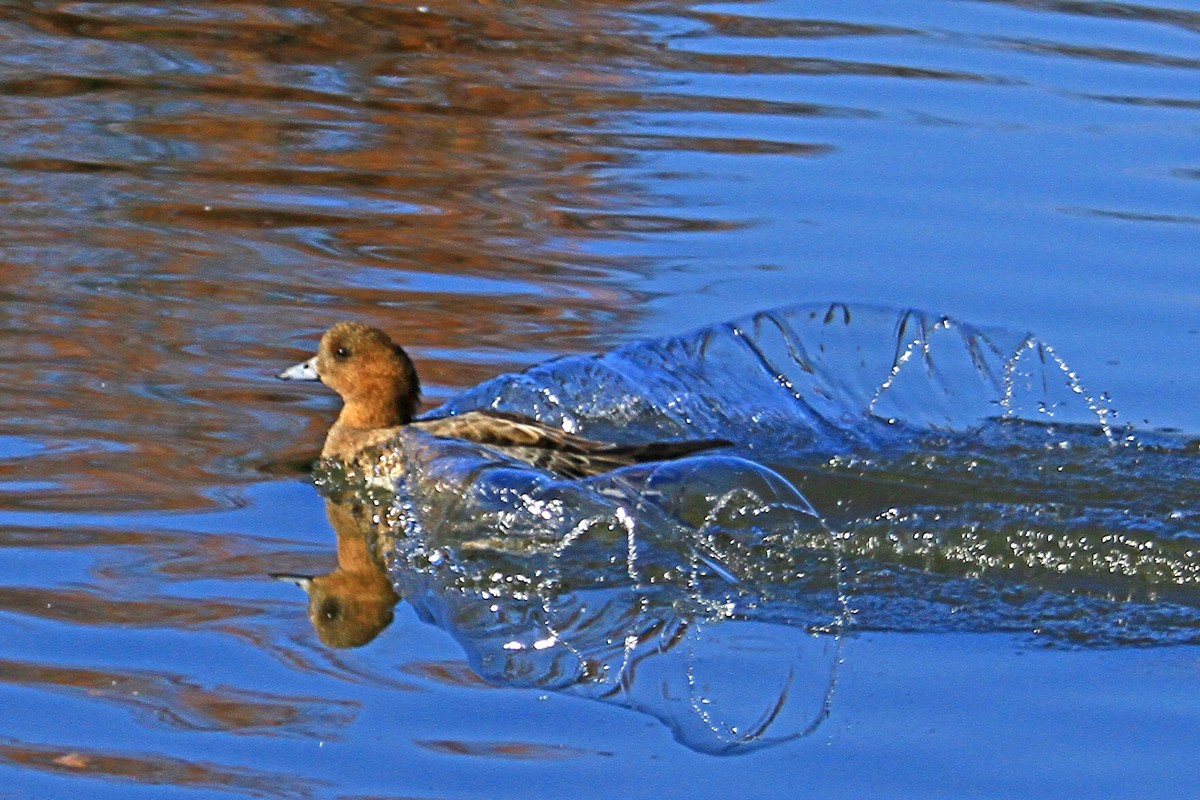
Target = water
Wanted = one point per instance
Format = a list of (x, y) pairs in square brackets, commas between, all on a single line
[(191, 192)]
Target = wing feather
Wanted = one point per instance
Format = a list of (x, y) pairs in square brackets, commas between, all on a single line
[(540, 445)]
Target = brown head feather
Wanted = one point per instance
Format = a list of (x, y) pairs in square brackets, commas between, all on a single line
[(374, 376)]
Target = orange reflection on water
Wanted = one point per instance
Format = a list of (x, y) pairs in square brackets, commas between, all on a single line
[(232, 182), (177, 702), (518, 751), (91, 607), (152, 768)]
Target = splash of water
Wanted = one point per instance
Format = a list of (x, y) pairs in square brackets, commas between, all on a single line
[(893, 471)]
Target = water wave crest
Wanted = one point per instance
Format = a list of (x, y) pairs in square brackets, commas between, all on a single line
[(804, 380)]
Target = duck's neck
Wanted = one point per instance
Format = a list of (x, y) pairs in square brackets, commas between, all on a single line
[(360, 425), (379, 414)]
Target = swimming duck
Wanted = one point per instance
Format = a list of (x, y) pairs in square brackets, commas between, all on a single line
[(380, 391)]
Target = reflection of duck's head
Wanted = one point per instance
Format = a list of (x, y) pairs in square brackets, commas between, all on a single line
[(374, 376), (347, 608)]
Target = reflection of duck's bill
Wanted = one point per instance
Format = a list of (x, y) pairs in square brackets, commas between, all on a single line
[(304, 371), (303, 581)]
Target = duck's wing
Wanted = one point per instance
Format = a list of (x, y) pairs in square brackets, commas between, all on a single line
[(535, 443), (502, 429)]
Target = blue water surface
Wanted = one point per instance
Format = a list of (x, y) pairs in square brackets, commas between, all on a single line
[(193, 191)]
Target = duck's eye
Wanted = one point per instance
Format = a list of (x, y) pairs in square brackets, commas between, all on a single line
[(341, 353), (331, 609)]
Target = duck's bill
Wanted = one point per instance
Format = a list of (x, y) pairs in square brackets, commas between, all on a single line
[(304, 371), (303, 581)]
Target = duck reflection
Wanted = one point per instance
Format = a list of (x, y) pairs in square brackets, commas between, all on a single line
[(349, 606), (680, 636)]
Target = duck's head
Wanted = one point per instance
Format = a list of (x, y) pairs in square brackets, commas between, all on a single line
[(374, 376)]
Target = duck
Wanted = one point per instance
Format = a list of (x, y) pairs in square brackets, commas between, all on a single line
[(381, 392)]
